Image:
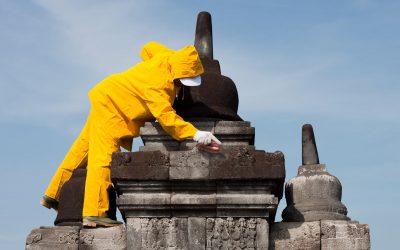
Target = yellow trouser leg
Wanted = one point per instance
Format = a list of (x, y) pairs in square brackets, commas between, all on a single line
[(98, 178), (76, 157)]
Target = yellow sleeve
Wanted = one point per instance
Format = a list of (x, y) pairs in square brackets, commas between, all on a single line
[(159, 106)]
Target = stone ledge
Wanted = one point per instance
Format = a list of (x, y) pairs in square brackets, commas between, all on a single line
[(74, 238), (324, 235), (198, 198), (234, 162), (229, 132)]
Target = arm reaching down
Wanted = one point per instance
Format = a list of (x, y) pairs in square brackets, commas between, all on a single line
[(205, 137), (161, 109)]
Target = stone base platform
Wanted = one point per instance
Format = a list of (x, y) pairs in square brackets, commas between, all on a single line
[(74, 238), (197, 233), (324, 235)]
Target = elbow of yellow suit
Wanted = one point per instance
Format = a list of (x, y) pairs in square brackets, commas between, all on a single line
[(174, 125)]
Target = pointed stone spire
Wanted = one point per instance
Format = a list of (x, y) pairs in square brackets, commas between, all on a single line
[(203, 40), (217, 96), (309, 147)]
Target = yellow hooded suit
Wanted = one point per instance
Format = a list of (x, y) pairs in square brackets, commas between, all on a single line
[(120, 105)]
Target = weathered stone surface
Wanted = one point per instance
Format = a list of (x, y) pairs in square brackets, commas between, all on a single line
[(155, 138), (103, 238), (157, 233), (203, 40), (229, 132), (236, 233), (313, 195), (309, 147), (71, 200), (189, 165), (198, 198), (74, 238), (197, 233), (134, 233), (234, 162), (236, 190), (153, 165), (62, 238), (245, 163), (144, 198), (295, 235), (262, 241), (238, 182), (344, 235)]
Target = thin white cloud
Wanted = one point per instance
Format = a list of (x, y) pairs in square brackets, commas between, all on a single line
[(104, 37), (93, 39), (281, 82)]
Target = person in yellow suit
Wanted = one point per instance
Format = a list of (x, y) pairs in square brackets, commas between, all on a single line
[(120, 105)]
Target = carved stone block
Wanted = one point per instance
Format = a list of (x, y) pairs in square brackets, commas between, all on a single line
[(61, 238), (344, 235), (189, 165), (152, 165), (236, 233), (295, 235), (157, 233), (197, 233), (103, 238)]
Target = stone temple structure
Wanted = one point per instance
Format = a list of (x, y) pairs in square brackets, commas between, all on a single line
[(315, 217), (173, 196)]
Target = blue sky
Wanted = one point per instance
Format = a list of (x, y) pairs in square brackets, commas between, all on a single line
[(334, 64)]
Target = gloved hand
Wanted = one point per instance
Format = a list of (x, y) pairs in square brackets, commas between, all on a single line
[(205, 137)]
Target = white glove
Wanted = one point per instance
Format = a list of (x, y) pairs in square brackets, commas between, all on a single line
[(205, 137)]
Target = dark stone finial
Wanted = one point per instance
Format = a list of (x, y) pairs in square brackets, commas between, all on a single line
[(217, 97), (309, 147), (203, 40)]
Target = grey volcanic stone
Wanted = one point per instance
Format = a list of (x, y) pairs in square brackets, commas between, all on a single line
[(324, 235), (229, 132), (197, 233), (309, 147), (103, 238), (237, 233), (157, 233), (246, 163), (74, 238), (134, 233), (71, 200), (189, 164), (174, 196), (153, 165), (313, 195), (50, 238), (295, 235), (344, 235)]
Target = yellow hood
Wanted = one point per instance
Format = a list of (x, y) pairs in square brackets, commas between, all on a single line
[(185, 63), (153, 48)]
